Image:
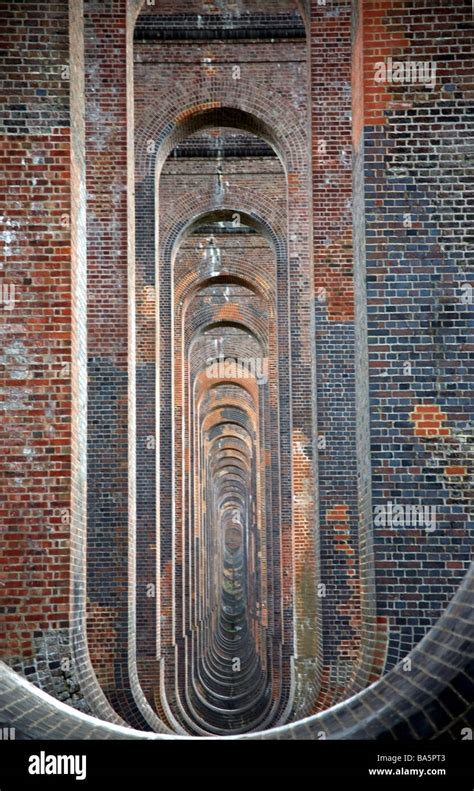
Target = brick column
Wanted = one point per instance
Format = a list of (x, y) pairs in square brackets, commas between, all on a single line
[(331, 61)]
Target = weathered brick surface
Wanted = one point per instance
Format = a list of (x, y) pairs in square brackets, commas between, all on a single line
[(35, 346), (417, 280)]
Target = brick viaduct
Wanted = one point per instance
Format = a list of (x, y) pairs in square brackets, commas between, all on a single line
[(238, 347)]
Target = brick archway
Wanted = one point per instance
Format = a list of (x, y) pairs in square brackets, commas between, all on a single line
[(367, 340)]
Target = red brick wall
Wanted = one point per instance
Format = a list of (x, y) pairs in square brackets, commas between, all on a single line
[(35, 334)]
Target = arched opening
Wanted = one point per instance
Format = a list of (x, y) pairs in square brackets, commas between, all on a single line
[(211, 623), (214, 257)]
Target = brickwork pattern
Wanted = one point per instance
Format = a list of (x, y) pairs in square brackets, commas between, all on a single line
[(215, 222)]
